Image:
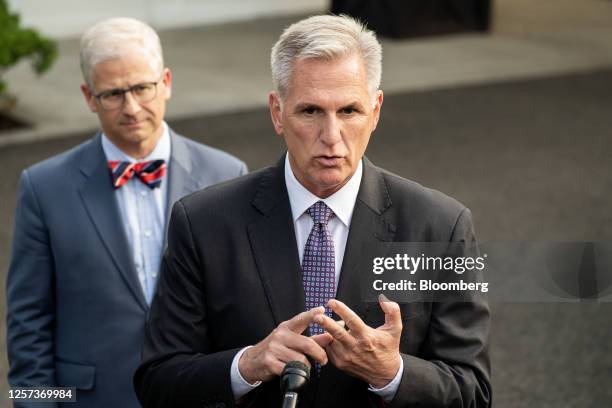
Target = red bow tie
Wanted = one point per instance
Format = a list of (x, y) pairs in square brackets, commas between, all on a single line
[(149, 172)]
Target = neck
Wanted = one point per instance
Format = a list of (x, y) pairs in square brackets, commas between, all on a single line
[(139, 151)]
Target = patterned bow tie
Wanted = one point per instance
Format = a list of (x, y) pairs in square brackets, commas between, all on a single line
[(149, 172)]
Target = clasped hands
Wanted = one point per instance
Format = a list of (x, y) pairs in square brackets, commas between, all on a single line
[(371, 354)]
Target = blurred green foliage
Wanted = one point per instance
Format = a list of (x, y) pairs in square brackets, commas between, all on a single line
[(17, 42)]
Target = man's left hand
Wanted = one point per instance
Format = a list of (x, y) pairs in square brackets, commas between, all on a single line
[(362, 351)]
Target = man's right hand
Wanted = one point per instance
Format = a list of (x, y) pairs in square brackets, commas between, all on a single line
[(267, 359)]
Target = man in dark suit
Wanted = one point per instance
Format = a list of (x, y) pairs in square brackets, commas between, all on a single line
[(90, 226), (259, 270)]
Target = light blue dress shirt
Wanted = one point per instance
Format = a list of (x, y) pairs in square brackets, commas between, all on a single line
[(143, 213)]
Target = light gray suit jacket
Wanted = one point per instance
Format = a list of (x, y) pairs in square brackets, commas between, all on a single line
[(76, 310)]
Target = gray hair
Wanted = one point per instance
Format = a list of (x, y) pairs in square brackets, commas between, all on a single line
[(325, 37), (116, 38)]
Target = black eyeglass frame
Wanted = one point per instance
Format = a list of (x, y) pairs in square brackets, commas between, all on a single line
[(123, 91)]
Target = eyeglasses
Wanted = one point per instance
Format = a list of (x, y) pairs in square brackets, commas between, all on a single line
[(115, 98)]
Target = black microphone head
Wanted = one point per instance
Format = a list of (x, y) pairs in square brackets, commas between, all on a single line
[(295, 375)]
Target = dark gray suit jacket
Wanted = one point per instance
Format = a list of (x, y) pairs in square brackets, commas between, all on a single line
[(231, 274), (76, 310)]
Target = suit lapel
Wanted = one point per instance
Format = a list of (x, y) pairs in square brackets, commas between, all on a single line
[(275, 250), (99, 200), (274, 246), (180, 179), (367, 225)]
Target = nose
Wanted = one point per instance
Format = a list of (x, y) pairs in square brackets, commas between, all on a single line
[(331, 131), (131, 105)]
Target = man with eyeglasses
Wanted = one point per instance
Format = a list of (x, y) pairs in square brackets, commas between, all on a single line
[(90, 225)]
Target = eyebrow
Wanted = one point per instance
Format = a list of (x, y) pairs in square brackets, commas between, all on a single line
[(125, 89), (353, 105), (303, 105), (131, 86)]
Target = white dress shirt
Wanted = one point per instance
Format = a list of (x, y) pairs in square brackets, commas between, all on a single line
[(342, 203), (143, 212)]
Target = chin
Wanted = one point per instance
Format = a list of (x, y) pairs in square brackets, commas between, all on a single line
[(333, 176), (330, 183), (138, 135)]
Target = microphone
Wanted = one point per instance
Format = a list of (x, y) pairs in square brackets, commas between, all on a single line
[(295, 375)]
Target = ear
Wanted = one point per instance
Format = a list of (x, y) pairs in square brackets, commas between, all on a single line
[(377, 106), (276, 111), (90, 99), (167, 80)]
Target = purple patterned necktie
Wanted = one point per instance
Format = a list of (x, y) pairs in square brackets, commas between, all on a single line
[(318, 263)]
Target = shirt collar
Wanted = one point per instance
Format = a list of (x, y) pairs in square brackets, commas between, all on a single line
[(161, 150), (342, 202)]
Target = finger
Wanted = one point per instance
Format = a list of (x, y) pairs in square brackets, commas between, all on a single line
[(351, 320), (306, 345), (300, 322), (334, 350), (337, 331), (323, 339), (393, 316), (287, 354), (277, 367), (257, 364), (336, 353)]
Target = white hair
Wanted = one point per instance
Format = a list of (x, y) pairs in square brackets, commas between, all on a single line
[(325, 37), (116, 38)]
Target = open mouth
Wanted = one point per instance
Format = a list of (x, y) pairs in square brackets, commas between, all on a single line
[(329, 161)]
